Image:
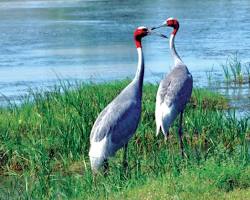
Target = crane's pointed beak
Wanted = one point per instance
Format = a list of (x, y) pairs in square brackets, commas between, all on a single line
[(161, 35), (155, 27), (155, 33)]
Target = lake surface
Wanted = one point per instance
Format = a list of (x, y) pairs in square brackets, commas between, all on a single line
[(93, 40)]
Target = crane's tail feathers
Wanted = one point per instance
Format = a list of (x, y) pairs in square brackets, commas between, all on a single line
[(158, 130), (165, 131)]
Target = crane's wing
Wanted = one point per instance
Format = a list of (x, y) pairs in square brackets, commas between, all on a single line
[(180, 93), (176, 89), (119, 120), (163, 88)]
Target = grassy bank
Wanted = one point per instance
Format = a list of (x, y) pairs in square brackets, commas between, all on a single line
[(209, 180), (44, 147)]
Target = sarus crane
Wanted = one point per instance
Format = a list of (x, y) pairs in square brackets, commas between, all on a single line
[(117, 123), (174, 90)]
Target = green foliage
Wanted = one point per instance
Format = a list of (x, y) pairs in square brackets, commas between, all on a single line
[(232, 177), (44, 143)]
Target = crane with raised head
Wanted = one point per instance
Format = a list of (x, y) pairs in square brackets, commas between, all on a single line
[(174, 90), (117, 123)]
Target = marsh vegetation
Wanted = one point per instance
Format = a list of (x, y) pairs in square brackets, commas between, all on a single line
[(45, 142), (235, 71)]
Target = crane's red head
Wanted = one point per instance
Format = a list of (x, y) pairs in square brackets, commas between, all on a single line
[(173, 23), (139, 33)]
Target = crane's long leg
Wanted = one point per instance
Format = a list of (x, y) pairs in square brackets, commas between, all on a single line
[(94, 179), (125, 159), (180, 135), (106, 167)]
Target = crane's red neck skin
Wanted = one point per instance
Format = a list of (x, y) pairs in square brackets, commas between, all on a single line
[(173, 23), (138, 43)]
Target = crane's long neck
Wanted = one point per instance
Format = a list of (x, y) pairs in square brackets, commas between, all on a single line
[(140, 69), (177, 59)]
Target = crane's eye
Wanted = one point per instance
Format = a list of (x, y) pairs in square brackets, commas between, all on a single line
[(144, 29)]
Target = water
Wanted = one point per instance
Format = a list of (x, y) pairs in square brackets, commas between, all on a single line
[(93, 40)]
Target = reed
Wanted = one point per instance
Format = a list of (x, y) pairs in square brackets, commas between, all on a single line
[(247, 68), (226, 71), (236, 68), (209, 74), (234, 72)]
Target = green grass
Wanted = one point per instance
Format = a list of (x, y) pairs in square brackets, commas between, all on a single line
[(206, 181), (44, 146)]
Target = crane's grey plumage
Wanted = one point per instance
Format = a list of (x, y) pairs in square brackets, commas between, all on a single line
[(174, 90), (117, 123)]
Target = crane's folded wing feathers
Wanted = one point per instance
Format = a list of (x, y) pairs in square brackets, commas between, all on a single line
[(176, 88), (118, 120), (184, 93)]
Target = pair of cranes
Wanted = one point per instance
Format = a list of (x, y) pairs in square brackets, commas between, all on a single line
[(117, 123)]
